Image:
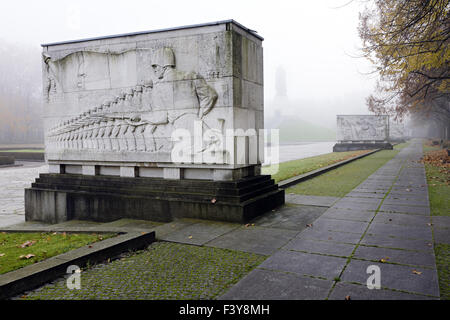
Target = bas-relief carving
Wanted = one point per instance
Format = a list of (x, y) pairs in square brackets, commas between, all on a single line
[(142, 117), (362, 128)]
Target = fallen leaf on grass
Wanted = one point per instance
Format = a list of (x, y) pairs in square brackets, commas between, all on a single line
[(28, 256), (416, 272), (27, 244), (2, 254)]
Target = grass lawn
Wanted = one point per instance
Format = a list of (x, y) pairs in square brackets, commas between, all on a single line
[(14, 247), (24, 150), (294, 168), (438, 178), (339, 182)]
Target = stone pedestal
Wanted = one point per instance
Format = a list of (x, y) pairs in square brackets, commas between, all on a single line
[(154, 125)]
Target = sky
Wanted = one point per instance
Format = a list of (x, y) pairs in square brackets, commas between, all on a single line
[(314, 41)]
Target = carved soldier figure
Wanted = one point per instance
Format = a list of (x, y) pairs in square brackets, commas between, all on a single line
[(178, 99)]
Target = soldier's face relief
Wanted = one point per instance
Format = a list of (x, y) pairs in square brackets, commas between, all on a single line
[(158, 71)]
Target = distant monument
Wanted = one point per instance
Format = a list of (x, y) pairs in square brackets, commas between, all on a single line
[(155, 125), (362, 132), (397, 132)]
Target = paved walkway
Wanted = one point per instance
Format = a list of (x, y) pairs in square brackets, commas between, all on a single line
[(13, 181), (385, 222)]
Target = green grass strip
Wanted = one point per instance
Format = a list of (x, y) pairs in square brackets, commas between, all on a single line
[(44, 245), (340, 181)]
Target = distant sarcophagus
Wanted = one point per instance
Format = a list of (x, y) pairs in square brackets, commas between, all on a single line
[(359, 132), (362, 128)]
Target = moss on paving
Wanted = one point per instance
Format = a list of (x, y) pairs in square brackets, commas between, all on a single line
[(294, 168), (46, 245), (442, 252), (163, 271), (340, 181)]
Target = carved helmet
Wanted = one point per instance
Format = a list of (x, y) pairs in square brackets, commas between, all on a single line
[(163, 57)]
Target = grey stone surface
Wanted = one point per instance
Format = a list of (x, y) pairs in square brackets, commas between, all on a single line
[(311, 200), (321, 247), (348, 214), (200, 232), (325, 224), (387, 241), (355, 205), (12, 183), (260, 240), (442, 235), (395, 277), (334, 236), (400, 231), (361, 292), (402, 219), (290, 217), (275, 285), (305, 264), (405, 209), (407, 257)]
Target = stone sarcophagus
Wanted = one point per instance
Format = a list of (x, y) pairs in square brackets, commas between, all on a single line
[(359, 132), (154, 125)]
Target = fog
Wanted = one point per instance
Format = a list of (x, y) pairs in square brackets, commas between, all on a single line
[(314, 42)]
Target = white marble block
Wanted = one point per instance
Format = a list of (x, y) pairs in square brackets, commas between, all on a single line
[(155, 99), (362, 128)]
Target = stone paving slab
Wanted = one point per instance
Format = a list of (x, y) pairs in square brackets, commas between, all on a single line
[(397, 243), (355, 205), (254, 239), (442, 235), (400, 231), (423, 259), (274, 285), (305, 264), (441, 221), (200, 232), (361, 292), (311, 200), (291, 217), (395, 277), (365, 195), (334, 236), (402, 219), (346, 214), (320, 247), (405, 209), (325, 224)]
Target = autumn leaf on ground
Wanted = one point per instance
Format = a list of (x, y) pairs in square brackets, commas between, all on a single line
[(347, 298), (2, 254), (28, 256), (27, 244), (309, 225), (383, 260), (213, 200), (190, 237), (416, 272)]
